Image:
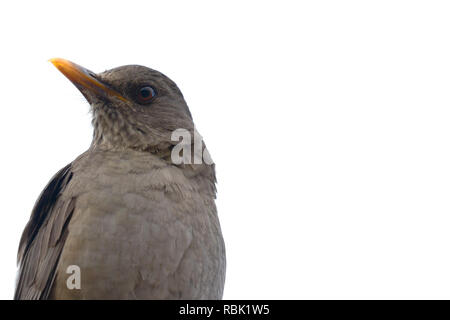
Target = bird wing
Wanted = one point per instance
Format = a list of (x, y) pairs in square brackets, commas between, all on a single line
[(43, 239)]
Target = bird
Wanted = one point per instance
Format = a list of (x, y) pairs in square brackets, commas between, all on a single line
[(126, 217)]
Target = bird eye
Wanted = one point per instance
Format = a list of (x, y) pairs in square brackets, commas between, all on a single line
[(146, 94)]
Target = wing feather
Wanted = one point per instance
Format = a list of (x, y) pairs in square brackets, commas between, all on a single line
[(43, 239)]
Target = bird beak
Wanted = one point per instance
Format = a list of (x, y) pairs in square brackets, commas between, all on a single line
[(86, 81)]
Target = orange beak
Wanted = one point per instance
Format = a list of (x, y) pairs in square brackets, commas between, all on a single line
[(84, 79)]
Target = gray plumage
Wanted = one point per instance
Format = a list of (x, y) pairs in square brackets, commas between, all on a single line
[(137, 225)]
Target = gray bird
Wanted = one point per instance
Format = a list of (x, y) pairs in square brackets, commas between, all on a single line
[(124, 218)]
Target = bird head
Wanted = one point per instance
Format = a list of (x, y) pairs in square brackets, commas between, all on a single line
[(134, 107)]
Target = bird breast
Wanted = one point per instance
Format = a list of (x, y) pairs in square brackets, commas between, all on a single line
[(140, 229)]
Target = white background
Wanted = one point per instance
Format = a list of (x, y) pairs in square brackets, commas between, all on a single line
[(329, 122)]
